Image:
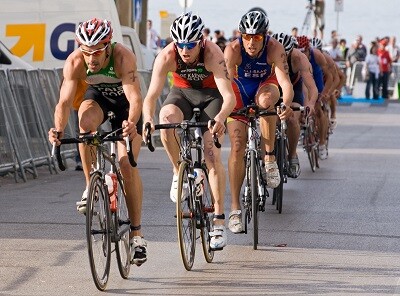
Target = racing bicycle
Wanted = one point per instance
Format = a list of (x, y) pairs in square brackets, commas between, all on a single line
[(107, 219)]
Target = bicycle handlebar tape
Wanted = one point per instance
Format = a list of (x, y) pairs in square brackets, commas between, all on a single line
[(148, 137), (131, 157), (61, 165)]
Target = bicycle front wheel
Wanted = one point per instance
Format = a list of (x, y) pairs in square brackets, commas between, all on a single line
[(254, 196), (280, 159), (98, 231), (122, 229), (185, 216), (206, 211)]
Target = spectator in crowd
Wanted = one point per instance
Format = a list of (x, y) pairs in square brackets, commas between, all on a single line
[(334, 34), (218, 36), (295, 31), (206, 34), (371, 72), (235, 35), (393, 50), (385, 67), (343, 47), (153, 41), (356, 53), (334, 51)]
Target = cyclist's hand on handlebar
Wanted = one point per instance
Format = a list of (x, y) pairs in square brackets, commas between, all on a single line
[(310, 109), (55, 136), (129, 129), (145, 129), (284, 112), (218, 128)]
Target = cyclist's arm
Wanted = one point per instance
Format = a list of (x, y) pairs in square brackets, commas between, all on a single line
[(72, 72), (164, 63), (214, 62), (333, 70), (126, 69), (278, 57), (306, 73), (232, 57)]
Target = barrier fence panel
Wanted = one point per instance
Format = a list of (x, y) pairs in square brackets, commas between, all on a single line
[(16, 130), (24, 97), (27, 102), (8, 158), (50, 81)]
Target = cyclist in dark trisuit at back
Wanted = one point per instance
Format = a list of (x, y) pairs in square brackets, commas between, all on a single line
[(300, 72)]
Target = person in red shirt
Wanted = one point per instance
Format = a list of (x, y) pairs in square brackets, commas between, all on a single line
[(385, 67)]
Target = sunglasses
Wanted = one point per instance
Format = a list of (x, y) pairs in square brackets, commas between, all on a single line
[(95, 53), (255, 37), (189, 45)]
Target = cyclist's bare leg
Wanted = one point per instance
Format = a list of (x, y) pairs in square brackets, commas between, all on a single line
[(171, 114), (216, 174), (267, 97), (90, 117), (323, 123), (237, 132), (133, 184), (293, 131)]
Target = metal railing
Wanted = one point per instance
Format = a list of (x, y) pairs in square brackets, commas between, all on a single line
[(27, 102)]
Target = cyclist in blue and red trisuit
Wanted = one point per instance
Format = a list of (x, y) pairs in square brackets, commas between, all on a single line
[(110, 70), (257, 63), (200, 79)]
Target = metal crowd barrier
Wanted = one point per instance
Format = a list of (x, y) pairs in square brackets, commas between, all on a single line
[(355, 80), (27, 102)]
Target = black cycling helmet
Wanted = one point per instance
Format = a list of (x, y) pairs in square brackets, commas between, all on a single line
[(286, 40), (254, 22)]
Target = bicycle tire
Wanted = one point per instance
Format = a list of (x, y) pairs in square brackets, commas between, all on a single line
[(247, 196), (207, 212), (280, 159), (122, 229), (310, 147), (98, 231), (185, 215), (254, 196)]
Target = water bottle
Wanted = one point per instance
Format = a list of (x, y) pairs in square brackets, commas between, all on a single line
[(199, 181), (112, 186)]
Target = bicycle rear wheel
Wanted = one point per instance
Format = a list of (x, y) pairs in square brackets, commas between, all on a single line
[(98, 231), (254, 196), (185, 216), (207, 213), (122, 224)]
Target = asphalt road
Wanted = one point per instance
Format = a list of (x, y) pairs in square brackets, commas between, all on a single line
[(338, 234)]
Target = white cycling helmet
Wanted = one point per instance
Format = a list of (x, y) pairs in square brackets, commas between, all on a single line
[(286, 40), (316, 43), (94, 31), (186, 28), (254, 22)]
